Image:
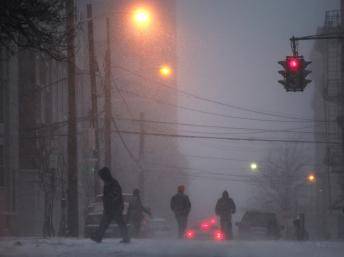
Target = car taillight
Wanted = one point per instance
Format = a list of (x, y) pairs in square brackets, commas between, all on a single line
[(213, 221), (205, 226), (190, 234), (219, 235)]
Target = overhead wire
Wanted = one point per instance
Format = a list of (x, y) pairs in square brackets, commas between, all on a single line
[(201, 98), (124, 143), (228, 138), (208, 112), (198, 170), (253, 130)]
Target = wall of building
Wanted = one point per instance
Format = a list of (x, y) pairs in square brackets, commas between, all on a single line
[(328, 79), (8, 139)]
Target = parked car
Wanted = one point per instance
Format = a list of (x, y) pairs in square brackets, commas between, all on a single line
[(207, 229), (259, 225), (94, 214)]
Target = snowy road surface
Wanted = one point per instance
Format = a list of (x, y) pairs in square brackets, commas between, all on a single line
[(28, 247)]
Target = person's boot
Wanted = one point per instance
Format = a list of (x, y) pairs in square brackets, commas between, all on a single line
[(95, 239), (125, 241), (125, 237)]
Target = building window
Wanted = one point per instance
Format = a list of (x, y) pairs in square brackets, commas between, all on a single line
[(2, 168)]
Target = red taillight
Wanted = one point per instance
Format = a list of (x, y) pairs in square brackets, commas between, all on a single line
[(190, 234), (205, 226), (219, 235), (213, 221)]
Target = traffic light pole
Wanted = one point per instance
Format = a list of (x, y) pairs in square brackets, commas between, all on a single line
[(294, 67), (294, 40)]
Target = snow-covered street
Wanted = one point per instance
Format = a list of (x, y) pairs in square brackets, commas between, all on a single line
[(29, 247)]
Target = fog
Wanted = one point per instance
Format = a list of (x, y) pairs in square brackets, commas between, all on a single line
[(228, 51), (112, 110)]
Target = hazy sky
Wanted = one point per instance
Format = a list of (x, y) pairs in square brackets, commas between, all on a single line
[(228, 51)]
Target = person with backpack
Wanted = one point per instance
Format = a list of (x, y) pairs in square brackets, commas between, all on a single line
[(112, 207), (225, 208), (181, 206)]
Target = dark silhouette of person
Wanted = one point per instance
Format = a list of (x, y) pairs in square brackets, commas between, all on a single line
[(136, 212), (181, 206), (224, 208), (112, 207), (299, 226)]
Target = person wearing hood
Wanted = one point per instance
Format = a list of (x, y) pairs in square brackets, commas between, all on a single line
[(112, 207), (181, 206), (224, 208), (136, 212)]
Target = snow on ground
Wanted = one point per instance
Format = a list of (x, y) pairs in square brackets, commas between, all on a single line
[(60, 247)]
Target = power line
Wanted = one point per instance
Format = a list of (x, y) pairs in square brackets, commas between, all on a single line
[(229, 138), (207, 177), (253, 130), (199, 170), (40, 87), (236, 160), (130, 153), (215, 158), (210, 113), (58, 124), (216, 101)]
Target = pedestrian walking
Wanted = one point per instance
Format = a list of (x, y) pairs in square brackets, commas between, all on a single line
[(225, 208), (181, 206), (112, 207), (136, 212)]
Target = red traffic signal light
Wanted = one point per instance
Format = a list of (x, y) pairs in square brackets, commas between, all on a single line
[(294, 63), (294, 73)]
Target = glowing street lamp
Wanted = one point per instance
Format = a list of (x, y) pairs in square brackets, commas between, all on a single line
[(311, 178), (254, 166), (142, 17), (165, 71)]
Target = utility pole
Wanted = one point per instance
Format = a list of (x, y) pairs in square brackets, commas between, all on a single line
[(141, 155), (72, 193), (94, 106), (107, 104), (342, 103)]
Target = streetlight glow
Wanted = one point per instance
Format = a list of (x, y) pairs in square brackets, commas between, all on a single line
[(254, 166), (165, 71), (311, 178), (142, 17)]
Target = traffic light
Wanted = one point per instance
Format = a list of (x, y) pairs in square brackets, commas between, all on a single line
[(294, 73)]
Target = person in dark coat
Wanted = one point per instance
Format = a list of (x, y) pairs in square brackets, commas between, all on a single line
[(181, 206), (112, 207), (299, 225), (224, 208), (136, 212)]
